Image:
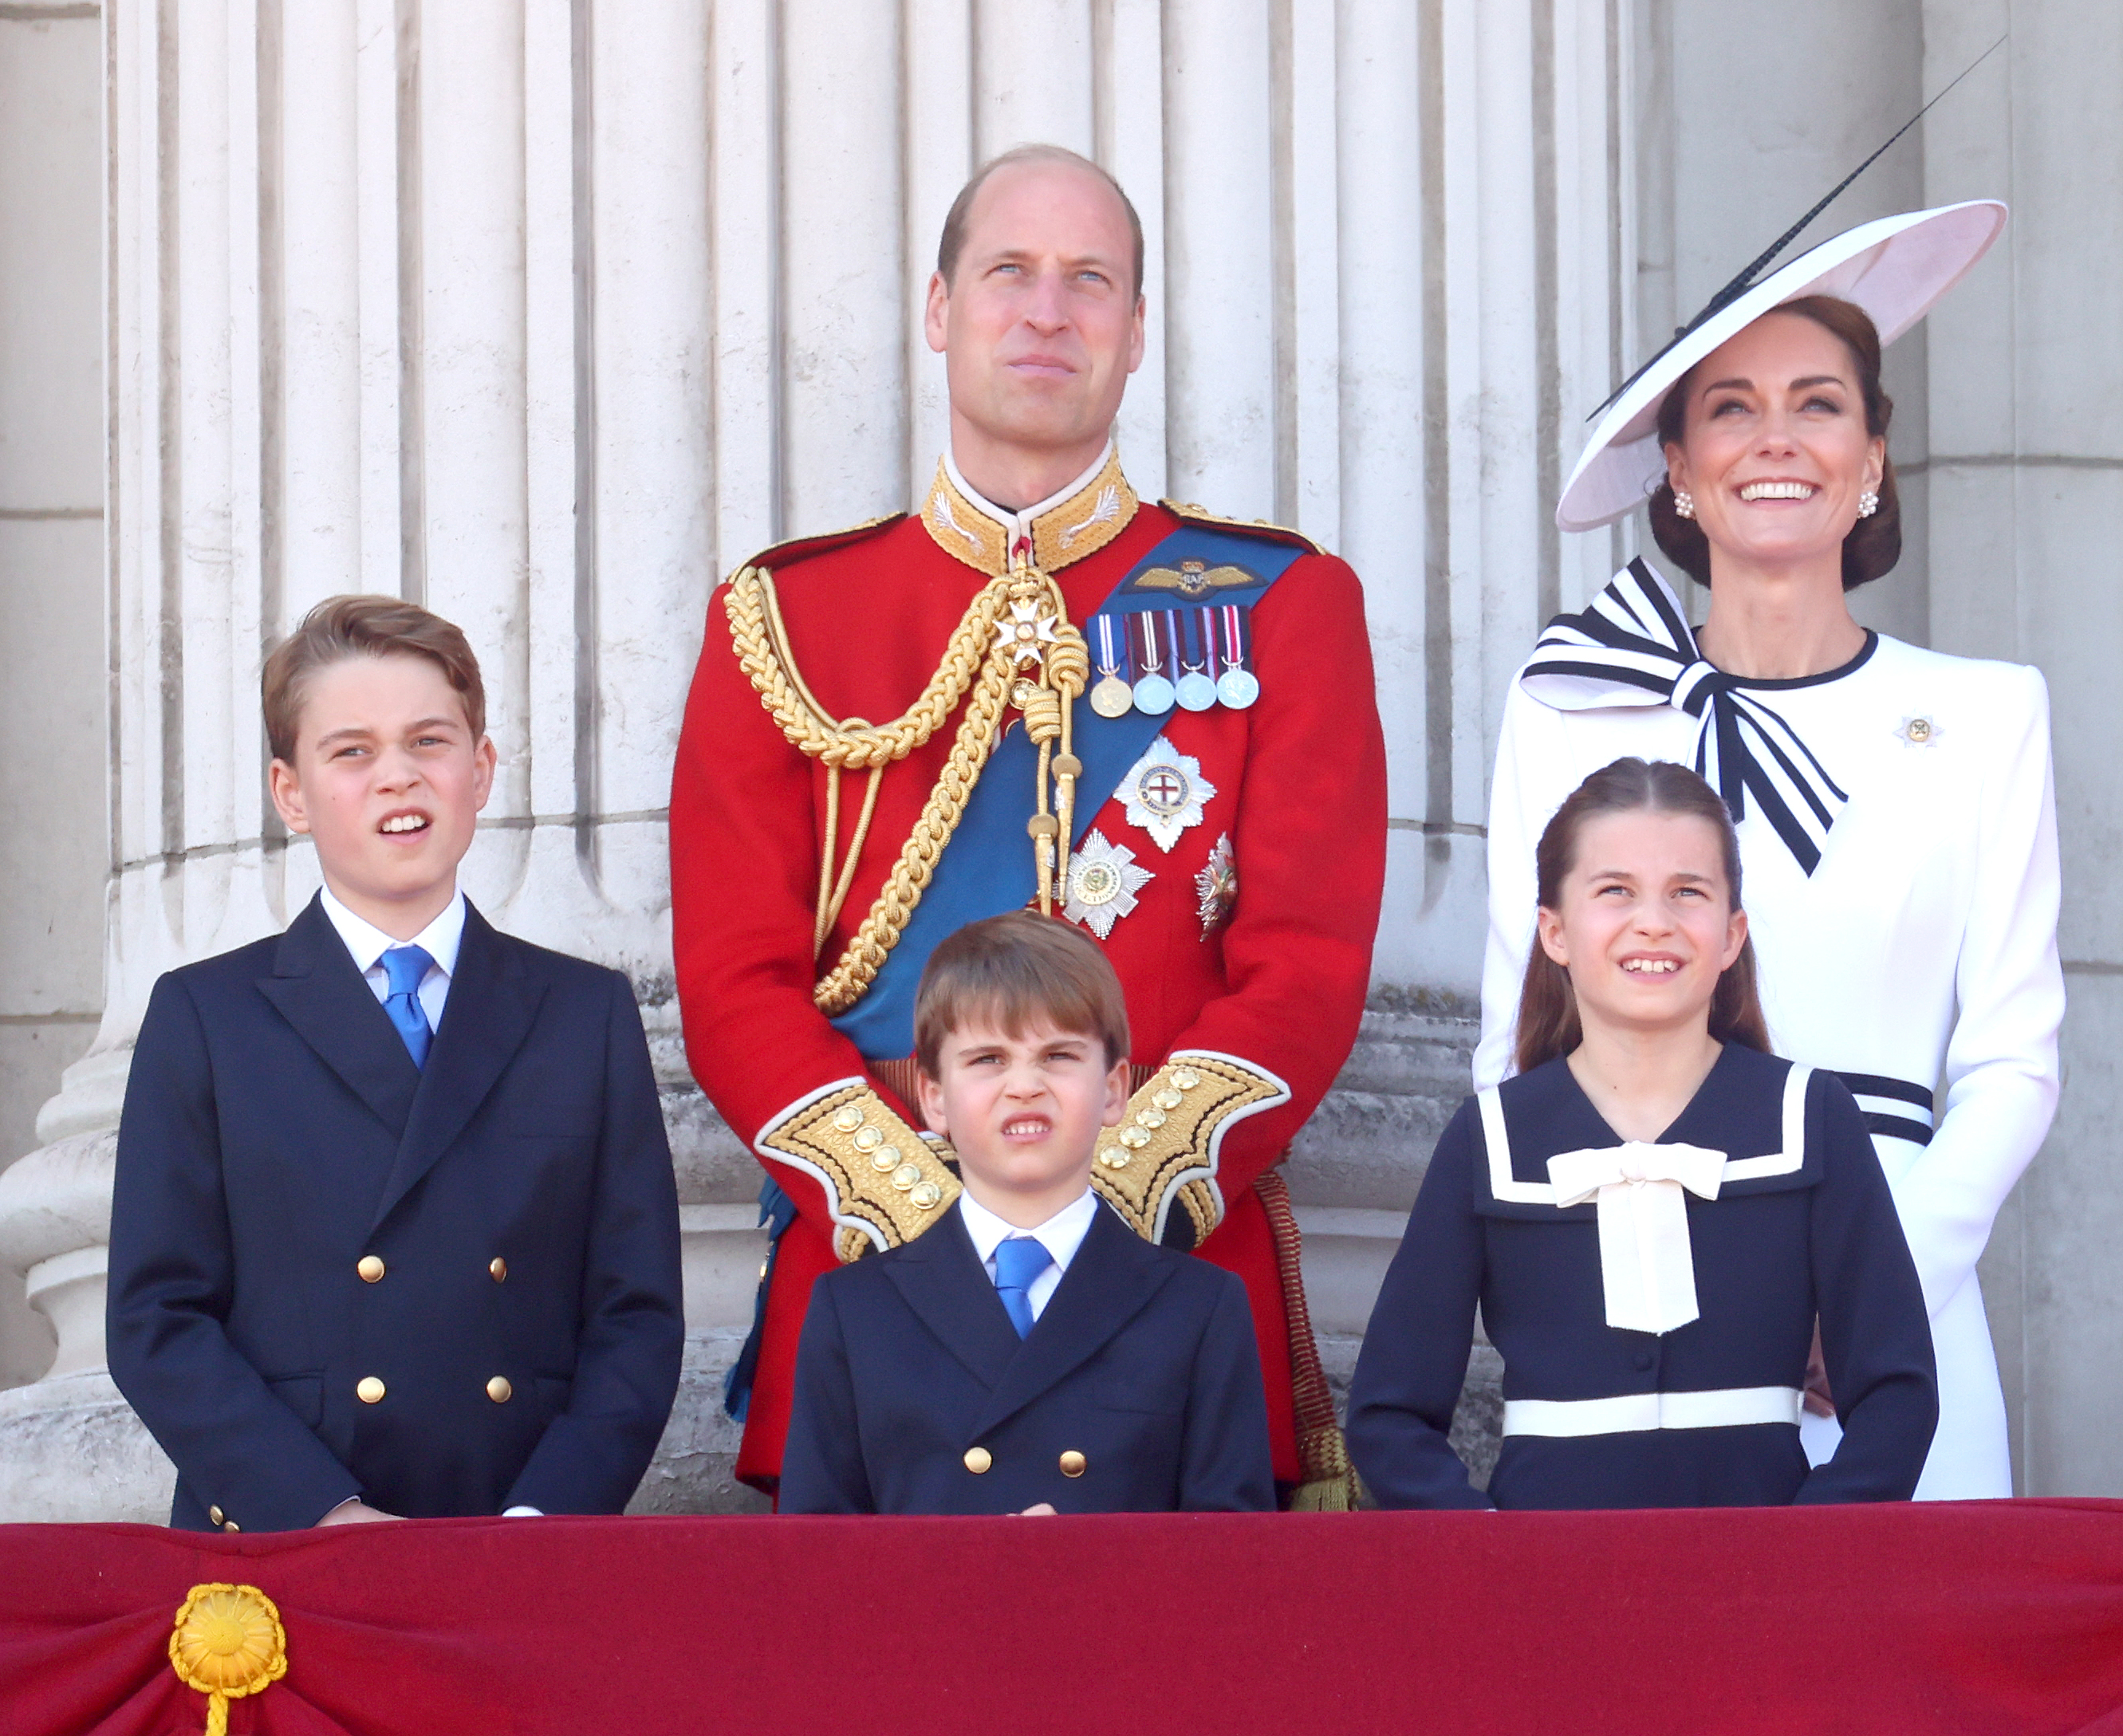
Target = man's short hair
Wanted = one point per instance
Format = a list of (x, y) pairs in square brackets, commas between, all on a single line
[(1013, 970), (341, 628), (954, 239)]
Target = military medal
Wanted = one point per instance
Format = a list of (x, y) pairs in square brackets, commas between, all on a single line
[(1217, 885), (1165, 791), (1238, 686), (1112, 697), (1154, 695), (1103, 883), (1194, 690)]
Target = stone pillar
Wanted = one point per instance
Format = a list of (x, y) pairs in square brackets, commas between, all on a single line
[(2026, 492), (545, 312)]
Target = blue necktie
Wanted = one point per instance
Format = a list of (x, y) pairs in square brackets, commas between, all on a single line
[(405, 967), (1018, 1261)]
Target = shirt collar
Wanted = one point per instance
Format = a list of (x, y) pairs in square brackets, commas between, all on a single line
[(1061, 1235), (440, 939), (1073, 521)]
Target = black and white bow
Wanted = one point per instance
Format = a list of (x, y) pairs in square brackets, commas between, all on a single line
[(1633, 647)]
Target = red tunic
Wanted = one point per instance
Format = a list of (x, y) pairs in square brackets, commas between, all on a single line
[(1301, 791)]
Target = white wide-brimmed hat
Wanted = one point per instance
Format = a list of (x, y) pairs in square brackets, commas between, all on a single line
[(1895, 269)]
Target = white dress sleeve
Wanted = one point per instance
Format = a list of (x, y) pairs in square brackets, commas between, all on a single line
[(1521, 803), (2001, 1059)]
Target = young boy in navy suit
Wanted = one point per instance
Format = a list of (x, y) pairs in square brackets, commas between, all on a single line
[(1030, 1353), (394, 1232)]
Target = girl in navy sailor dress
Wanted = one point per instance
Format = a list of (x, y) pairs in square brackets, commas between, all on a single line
[(1650, 1216)]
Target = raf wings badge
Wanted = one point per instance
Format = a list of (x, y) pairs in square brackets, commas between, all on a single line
[(1193, 579)]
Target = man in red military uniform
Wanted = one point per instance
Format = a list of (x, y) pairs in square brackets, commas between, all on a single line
[(892, 730)]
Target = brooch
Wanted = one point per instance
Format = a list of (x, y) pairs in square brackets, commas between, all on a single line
[(1217, 885), (1103, 883), (1165, 791)]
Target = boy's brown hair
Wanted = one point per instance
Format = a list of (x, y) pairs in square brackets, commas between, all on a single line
[(1013, 969), (344, 627)]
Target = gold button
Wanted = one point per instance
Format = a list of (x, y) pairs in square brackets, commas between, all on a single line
[(370, 1267), (927, 1196), (1115, 1159), (1150, 1117), (230, 1525), (868, 1139), (1134, 1138), (216, 1514), (1072, 1463), (978, 1459), (905, 1177), (847, 1118), (1167, 1098), (1186, 1078), (886, 1158), (369, 1390), (499, 1390), (497, 1269)]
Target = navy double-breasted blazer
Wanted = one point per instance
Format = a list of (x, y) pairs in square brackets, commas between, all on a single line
[(526, 1327), (1141, 1372)]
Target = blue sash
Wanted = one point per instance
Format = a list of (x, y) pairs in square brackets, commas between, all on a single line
[(988, 867)]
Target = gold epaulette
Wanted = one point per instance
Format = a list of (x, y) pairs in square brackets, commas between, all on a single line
[(1164, 1152), (884, 1183), (1261, 527), (799, 547)]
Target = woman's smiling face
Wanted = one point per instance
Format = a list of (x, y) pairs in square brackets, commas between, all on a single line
[(1774, 447)]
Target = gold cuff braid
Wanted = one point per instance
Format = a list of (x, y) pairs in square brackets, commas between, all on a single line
[(884, 1183), (1164, 1154)]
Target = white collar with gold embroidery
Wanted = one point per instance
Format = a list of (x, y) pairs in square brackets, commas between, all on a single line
[(1071, 523)]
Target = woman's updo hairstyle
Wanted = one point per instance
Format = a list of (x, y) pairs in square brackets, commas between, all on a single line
[(1875, 543), (1549, 1024)]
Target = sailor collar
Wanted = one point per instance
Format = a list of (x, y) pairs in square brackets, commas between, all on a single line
[(1079, 520)]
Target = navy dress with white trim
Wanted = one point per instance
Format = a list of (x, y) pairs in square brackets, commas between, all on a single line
[(1702, 1415)]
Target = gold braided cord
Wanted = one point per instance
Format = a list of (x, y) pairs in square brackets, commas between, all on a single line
[(978, 659)]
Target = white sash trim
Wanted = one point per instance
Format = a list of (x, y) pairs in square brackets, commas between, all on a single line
[(1730, 1408)]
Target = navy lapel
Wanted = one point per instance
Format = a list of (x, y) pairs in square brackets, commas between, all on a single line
[(943, 1281), (318, 991), (493, 1002), (1114, 1273)]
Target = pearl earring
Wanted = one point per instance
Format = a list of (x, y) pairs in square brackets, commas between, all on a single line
[(1868, 503), (1684, 504)]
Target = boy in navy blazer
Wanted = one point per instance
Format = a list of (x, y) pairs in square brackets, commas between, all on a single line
[(394, 1231), (1030, 1353)]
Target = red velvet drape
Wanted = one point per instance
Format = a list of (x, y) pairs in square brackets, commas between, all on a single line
[(2003, 1616)]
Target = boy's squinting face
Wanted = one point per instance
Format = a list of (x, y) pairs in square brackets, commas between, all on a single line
[(389, 781), (1645, 924), (1023, 1111)]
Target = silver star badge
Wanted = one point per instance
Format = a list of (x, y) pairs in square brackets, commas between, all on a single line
[(1217, 886), (1103, 883), (1165, 791), (1028, 632)]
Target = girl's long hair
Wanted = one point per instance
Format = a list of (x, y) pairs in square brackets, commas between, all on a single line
[(1548, 1025)]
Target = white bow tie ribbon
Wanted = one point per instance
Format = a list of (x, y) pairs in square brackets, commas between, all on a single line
[(1647, 1262), (1632, 646)]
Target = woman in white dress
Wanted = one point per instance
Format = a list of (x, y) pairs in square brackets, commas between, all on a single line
[(1894, 805)]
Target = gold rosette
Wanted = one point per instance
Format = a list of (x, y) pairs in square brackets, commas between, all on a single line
[(227, 1642)]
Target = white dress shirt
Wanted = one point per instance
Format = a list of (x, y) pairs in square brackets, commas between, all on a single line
[(440, 939), (1061, 1235)]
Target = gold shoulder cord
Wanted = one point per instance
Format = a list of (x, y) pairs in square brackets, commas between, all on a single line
[(1018, 619)]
